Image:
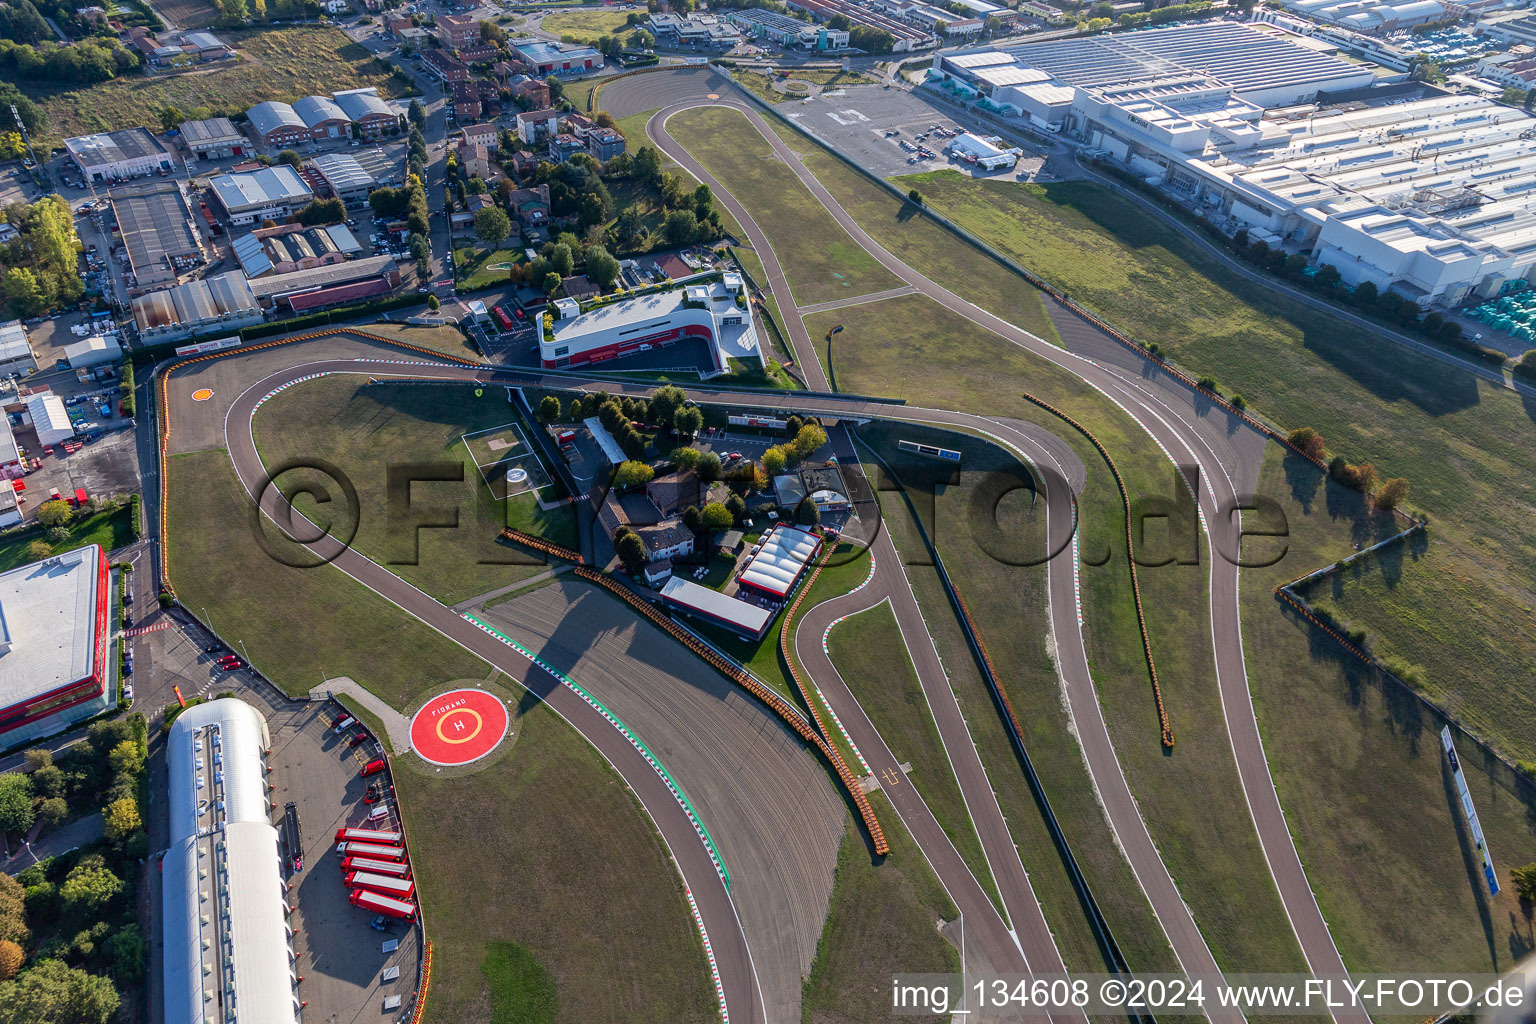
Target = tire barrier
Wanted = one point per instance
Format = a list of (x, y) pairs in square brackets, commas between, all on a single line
[(548, 547), (426, 975), (163, 375), (775, 703), (1130, 550), (634, 741), (1096, 919)]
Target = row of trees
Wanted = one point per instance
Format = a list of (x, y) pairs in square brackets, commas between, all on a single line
[(93, 59), (808, 437), (1363, 476), (1388, 305), (67, 923), (42, 265)]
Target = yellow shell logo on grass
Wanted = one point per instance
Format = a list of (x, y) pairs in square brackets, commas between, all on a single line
[(202, 394)]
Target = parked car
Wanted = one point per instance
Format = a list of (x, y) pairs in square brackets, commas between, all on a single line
[(357, 739)]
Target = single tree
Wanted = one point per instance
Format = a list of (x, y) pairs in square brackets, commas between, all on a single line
[(708, 467), (1392, 492), (121, 818), (54, 513), (552, 282), (602, 267), (686, 458), (736, 507), (434, 303), (688, 420), (291, 158), (87, 889), (717, 517), (806, 513), (54, 811), (1308, 441), (915, 197), (11, 959), (632, 474), (492, 225), (39, 550), (1525, 882), (631, 550), (126, 758), (693, 519), (16, 811), (774, 460), (549, 409)]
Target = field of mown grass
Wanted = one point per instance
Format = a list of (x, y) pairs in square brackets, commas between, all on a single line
[(820, 260), (1358, 767), (586, 25), (1464, 444), (912, 348), (575, 903), (920, 243), (870, 655), (883, 920), (276, 64), (365, 430), (301, 626)]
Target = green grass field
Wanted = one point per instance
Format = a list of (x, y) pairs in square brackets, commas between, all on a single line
[(921, 243), (1359, 771), (415, 424), (474, 267), (916, 350), (820, 260), (586, 25), (1464, 444), (111, 528), (1017, 597), (577, 916), (276, 64), (871, 656), (301, 626), (883, 920), (446, 340)]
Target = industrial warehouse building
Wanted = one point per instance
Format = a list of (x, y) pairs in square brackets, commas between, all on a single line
[(714, 312), (323, 118), (290, 247), (228, 949), (159, 235), (544, 59), (213, 139), (370, 114), (351, 281), (271, 193), (274, 125), (223, 303), (16, 350), (1428, 196), (786, 31), (48, 417), (119, 155), (54, 669), (740, 617), (344, 176)]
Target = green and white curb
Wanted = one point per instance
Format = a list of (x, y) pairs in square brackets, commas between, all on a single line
[(635, 741)]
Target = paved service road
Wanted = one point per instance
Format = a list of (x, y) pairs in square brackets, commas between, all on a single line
[(1208, 439)]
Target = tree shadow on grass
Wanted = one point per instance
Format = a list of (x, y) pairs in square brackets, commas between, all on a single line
[(1304, 479)]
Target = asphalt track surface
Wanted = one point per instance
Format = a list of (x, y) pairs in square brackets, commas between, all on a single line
[(770, 806), (1223, 448)]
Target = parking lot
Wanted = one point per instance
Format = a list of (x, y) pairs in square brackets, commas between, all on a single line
[(856, 120), (347, 972), (104, 467)]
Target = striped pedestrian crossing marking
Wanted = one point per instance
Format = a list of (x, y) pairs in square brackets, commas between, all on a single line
[(141, 630)]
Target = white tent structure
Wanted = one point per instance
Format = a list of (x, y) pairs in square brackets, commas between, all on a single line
[(50, 418), (779, 561), (228, 946)]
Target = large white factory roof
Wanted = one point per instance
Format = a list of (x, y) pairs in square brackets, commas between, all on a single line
[(1243, 56), (48, 624), (228, 950)]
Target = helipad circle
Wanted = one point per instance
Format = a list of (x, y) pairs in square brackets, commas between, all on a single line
[(202, 394), (458, 727), (515, 475)]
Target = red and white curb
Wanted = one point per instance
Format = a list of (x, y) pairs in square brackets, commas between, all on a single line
[(823, 697), (285, 386), (709, 954)]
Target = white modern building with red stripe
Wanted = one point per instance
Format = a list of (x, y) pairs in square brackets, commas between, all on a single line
[(715, 312)]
